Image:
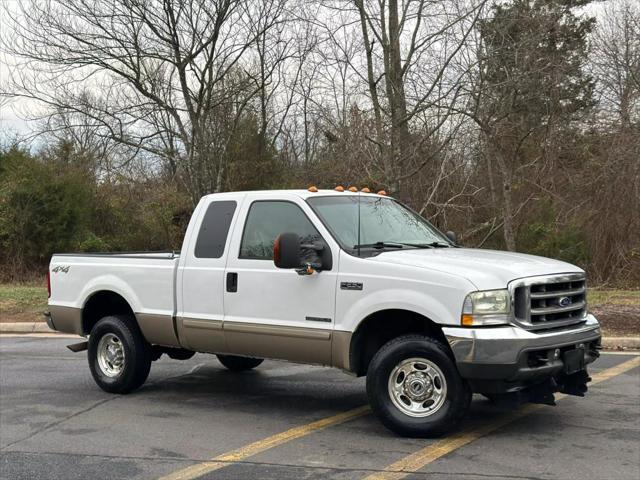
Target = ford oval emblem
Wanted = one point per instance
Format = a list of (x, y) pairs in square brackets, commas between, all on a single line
[(564, 301)]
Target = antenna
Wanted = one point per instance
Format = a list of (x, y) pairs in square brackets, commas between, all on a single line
[(359, 194)]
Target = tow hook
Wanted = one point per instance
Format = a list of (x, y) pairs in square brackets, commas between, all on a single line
[(543, 393), (78, 347), (575, 384)]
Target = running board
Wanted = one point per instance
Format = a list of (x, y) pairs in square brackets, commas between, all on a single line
[(78, 347)]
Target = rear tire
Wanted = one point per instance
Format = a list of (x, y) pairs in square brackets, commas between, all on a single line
[(239, 364), (415, 389), (119, 356)]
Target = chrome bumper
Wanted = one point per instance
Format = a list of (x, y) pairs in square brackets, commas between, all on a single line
[(503, 353)]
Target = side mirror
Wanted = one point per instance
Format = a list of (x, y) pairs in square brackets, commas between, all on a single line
[(287, 252), (306, 258), (452, 236)]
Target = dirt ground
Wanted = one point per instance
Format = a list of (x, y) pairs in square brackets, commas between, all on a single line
[(618, 320)]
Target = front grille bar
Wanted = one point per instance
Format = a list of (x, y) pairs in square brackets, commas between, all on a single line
[(541, 302), (564, 293), (554, 309)]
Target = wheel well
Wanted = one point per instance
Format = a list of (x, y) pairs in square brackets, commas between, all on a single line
[(101, 304), (380, 327)]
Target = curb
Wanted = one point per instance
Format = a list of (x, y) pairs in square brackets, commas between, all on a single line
[(608, 343), (25, 327)]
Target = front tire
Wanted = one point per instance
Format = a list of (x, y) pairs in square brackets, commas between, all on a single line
[(119, 356), (239, 364), (415, 389)]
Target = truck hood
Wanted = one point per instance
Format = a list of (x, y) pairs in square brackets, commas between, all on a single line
[(486, 269)]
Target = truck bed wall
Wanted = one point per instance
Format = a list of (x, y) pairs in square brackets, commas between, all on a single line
[(145, 280)]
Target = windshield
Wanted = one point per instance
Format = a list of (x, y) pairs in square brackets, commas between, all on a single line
[(384, 223)]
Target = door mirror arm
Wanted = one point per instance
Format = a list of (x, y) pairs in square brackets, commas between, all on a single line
[(309, 269)]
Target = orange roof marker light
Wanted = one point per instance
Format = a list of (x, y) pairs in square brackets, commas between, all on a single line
[(365, 190), (353, 189), (339, 188), (313, 189), (383, 193)]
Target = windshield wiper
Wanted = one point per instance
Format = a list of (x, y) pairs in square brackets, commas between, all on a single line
[(382, 245), (437, 245)]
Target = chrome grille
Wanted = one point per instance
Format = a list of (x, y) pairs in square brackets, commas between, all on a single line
[(550, 301)]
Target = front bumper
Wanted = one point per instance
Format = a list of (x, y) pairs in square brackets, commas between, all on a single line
[(509, 358)]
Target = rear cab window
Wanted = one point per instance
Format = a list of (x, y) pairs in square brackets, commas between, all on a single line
[(214, 229)]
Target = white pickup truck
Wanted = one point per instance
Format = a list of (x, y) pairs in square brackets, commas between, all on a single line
[(353, 280)]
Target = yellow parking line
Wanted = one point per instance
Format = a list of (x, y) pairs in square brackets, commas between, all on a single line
[(414, 462), (254, 448)]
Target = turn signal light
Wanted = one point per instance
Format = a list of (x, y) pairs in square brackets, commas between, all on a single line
[(339, 188), (467, 320)]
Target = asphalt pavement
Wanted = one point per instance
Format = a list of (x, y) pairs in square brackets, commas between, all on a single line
[(195, 419)]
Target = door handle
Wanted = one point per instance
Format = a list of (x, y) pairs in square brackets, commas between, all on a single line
[(232, 282)]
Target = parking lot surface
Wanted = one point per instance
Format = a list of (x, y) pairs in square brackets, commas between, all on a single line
[(195, 419)]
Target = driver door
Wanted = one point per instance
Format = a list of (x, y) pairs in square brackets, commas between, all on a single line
[(271, 312)]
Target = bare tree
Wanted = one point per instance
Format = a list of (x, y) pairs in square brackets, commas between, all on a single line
[(616, 62), (530, 84), (405, 64), (169, 77), (614, 175)]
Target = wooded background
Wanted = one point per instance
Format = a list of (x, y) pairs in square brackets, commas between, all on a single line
[(515, 123)]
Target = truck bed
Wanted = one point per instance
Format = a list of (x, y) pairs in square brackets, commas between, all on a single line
[(145, 279)]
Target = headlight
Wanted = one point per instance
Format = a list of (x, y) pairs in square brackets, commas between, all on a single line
[(490, 307)]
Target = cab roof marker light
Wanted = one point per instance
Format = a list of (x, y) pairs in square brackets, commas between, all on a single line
[(383, 193), (353, 189), (339, 188), (313, 189), (365, 190)]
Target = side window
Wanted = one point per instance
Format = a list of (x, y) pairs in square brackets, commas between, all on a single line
[(267, 220), (214, 229)]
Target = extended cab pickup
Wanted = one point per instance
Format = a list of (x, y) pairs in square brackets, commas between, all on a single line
[(352, 280)]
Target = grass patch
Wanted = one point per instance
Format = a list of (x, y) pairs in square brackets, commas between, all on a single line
[(22, 298), (613, 297)]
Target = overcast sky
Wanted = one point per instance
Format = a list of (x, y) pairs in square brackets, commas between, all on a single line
[(13, 113)]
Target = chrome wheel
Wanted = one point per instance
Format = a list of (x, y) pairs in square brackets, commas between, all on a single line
[(417, 387), (110, 354)]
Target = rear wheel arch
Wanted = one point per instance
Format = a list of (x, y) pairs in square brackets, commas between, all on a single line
[(106, 303), (378, 328)]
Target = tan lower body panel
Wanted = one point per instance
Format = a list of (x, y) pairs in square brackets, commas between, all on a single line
[(201, 335), (296, 344), (340, 349), (158, 329), (66, 319)]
